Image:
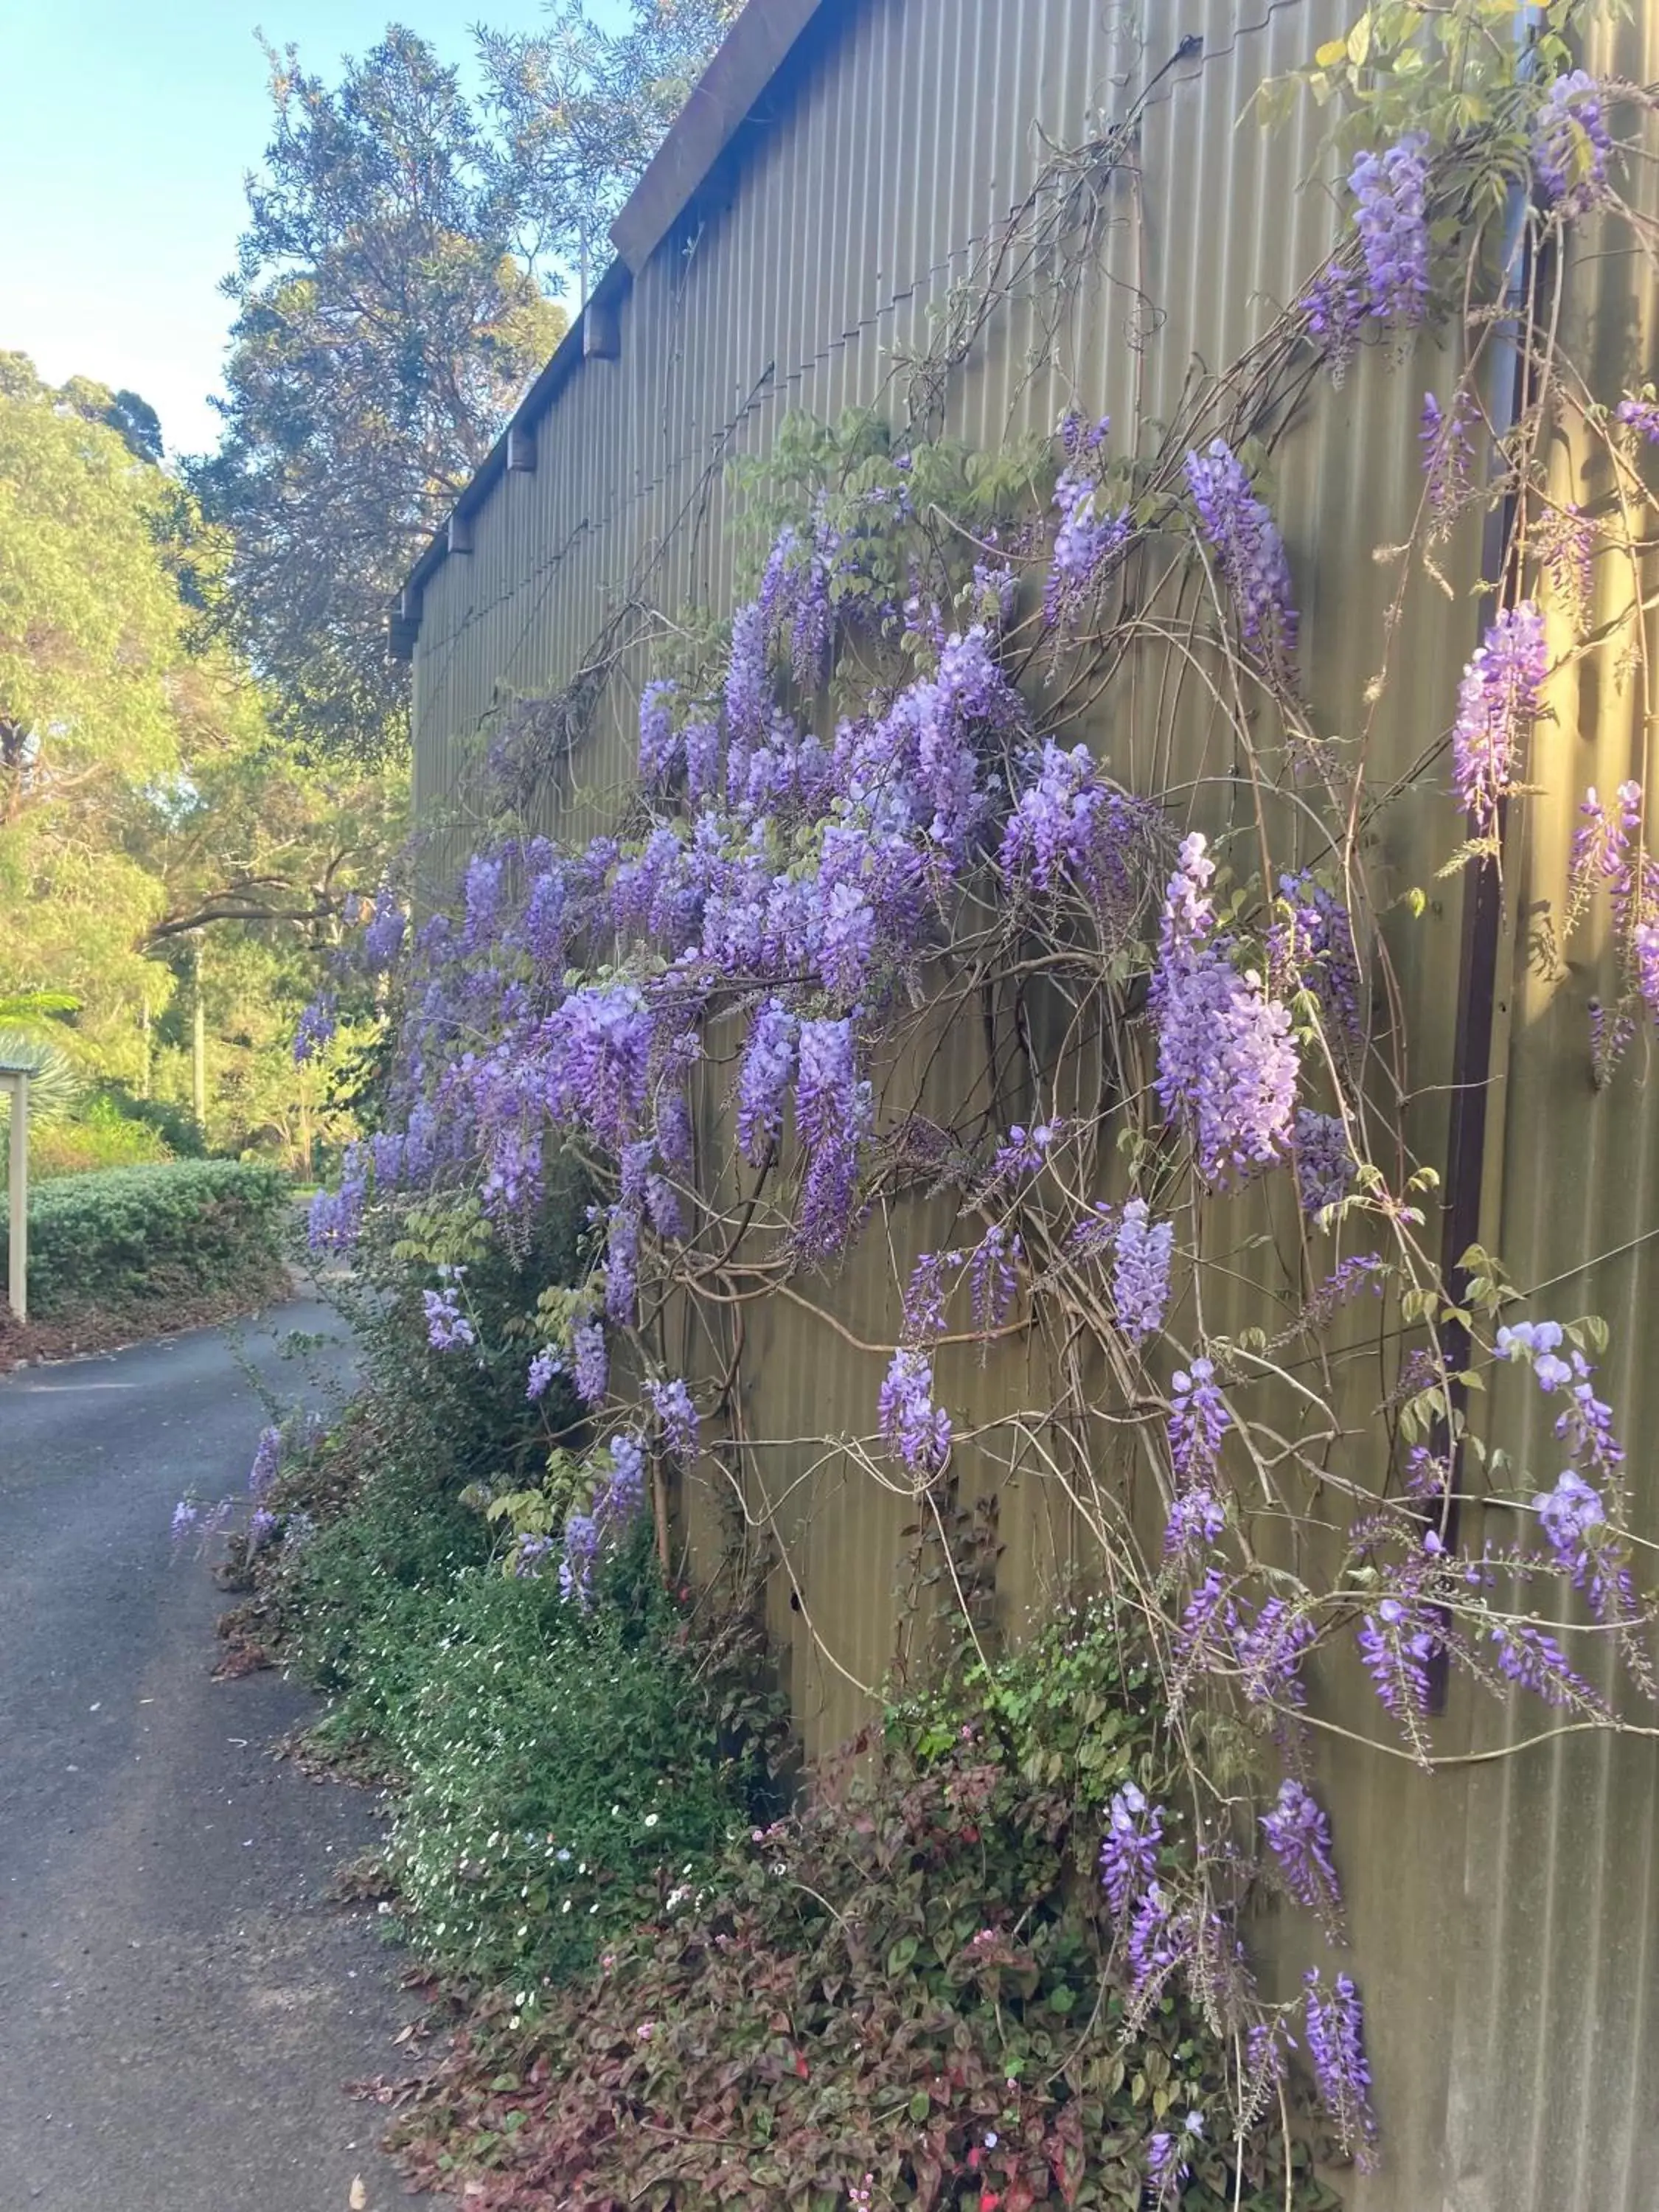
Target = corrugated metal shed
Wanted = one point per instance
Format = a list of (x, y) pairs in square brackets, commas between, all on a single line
[(863, 152)]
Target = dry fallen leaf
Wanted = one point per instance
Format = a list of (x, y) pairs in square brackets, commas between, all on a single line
[(359, 2195)]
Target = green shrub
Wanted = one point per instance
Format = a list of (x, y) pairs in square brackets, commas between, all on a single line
[(179, 1131), (910, 1991), (129, 1237), (561, 1770), (96, 1137)]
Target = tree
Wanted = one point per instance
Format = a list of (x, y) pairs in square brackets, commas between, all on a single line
[(89, 616), (384, 329), (145, 804), (580, 111)]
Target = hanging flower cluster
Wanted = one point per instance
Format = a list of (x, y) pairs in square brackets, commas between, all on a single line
[(1572, 143), (1227, 1063), (1239, 529), (1498, 703)]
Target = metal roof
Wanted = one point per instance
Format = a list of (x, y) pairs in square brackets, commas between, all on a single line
[(722, 101)]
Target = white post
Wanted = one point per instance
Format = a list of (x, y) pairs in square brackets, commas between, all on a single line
[(17, 1179)]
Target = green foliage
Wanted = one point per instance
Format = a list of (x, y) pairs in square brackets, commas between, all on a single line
[(904, 528), (911, 1987), (140, 1235), (89, 624), (53, 1084), (559, 1769), (583, 108), (1075, 1709), (1465, 74), (143, 803), (95, 1139), (174, 1129)]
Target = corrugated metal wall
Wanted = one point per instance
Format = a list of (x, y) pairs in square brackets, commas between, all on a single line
[(1502, 1913)]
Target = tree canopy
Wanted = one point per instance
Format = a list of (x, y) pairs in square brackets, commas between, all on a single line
[(393, 297), (144, 798), (580, 111), (384, 328)]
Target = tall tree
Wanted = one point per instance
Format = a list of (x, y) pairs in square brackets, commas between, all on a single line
[(580, 111), (89, 617), (386, 326)]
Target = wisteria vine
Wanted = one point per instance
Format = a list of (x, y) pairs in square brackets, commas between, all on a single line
[(869, 820)]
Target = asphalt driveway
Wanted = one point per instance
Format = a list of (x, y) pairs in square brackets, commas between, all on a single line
[(179, 2004)]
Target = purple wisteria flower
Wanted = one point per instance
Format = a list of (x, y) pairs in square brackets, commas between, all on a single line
[(1334, 307), (993, 1277), (1128, 1855), (267, 1459), (1024, 1151), (1336, 2045), (1566, 545), (1324, 1160), (768, 1068), (448, 1327), (543, 1368), (261, 1527), (530, 1554), (315, 1031), (481, 898), (1299, 1835), (1089, 533), (1069, 825), (335, 1216), (832, 1113), (1195, 1523), (1610, 847), (186, 1520), (1584, 1424), (1140, 1275), (590, 1361), (1572, 143), (581, 1551), (1537, 1662), (1310, 947), (1205, 1620), (660, 748), (671, 1403), (926, 1294), (915, 1431), (1198, 1420), (619, 1499), (1392, 191), (383, 935), (1167, 2161), (1397, 1644), (1645, 945), (1498, 702), (1227, 1060), (1573, 1518), (1240, 531), (1269, 1650), (1641, 415), (1159, 1938)]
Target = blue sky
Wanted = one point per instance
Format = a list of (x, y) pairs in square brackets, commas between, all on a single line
[(128, 126)]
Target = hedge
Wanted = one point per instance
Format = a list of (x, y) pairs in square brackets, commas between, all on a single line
[(177, 1230)]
